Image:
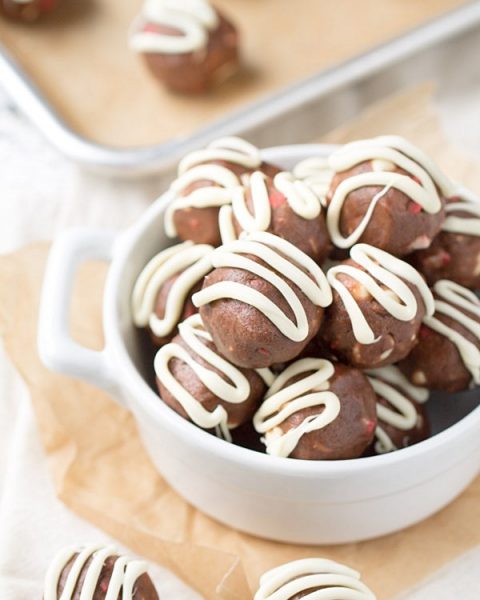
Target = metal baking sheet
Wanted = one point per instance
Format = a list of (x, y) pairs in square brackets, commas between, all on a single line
[(297, 114)]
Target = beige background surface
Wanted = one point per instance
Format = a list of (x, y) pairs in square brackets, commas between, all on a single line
[(101, 471), (80, 58)]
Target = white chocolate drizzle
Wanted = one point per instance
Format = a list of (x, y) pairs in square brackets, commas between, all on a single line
[(391, 385), (193, 18), (281, 257), (235, 389), (386, 153), (229, 149), (398, 299), (124, 575), (195, 168), (188, 260), (317, 174), (281, 402), (469, 203), (332, 581), (301, 199), (450, 298)]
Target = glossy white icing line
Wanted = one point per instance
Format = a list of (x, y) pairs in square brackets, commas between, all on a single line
[(469, 203), (229, 149), (386, 154), (317, 174), (191, 263), (282, 402), (302, 200), (194, 19), (382, 269), (392, 375), (391, 385), (218, 192), (235, 389), (451, 297), (281, 257), (337, 582), (124, 574)]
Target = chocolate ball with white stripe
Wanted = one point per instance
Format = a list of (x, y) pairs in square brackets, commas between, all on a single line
[(236, 413), (263, 302), (284, 206), (455, 253), (387, 193), (447, 356), (318, 410), (93, 572), (378, 305)]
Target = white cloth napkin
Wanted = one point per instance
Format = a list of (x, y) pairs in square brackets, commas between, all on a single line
[(41, 194)]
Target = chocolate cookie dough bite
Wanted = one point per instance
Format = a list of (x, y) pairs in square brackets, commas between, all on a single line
[(387, 193), (206, 180), (315, 578), (264, 300), (196, 381), (455, 253), (447, 356), (378, 305), (402, 418), (162, 295), (27, 10), (282, 205), (318, 410), (97, 573), (187, 44)]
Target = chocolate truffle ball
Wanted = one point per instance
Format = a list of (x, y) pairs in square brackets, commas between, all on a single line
[(378, 305), (189, 47), (447, 356), (264, 300), (455, 253), (162, 295), (27, 10), (284, 206), (318, 410), (301, 578), (386, 193), (402, 418), (117, 576), (196, 381), (205, 183)]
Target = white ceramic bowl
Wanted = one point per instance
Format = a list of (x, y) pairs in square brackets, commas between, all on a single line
[(308, 502)]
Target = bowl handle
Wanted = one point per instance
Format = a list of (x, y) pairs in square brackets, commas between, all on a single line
[(58, 351)]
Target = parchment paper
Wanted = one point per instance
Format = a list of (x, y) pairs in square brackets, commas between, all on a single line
[(101, 471)]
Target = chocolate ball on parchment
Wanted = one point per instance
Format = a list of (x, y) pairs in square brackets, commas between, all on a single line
[(107, 574), (189, 47)]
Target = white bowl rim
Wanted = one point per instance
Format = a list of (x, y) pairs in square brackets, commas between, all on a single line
[(151, 403)]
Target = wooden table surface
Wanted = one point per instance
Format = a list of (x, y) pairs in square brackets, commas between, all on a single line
[(79, 57)]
